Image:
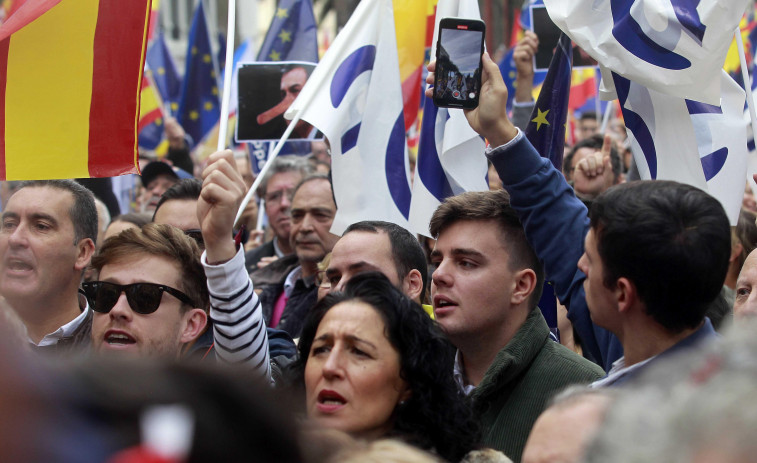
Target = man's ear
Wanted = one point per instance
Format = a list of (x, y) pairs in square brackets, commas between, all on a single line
[(195, 321), (625, 294), (524, 282), (412, 285), (85, 249)]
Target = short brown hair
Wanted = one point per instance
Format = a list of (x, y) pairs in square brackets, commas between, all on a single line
[(492, 206), (160, 240)]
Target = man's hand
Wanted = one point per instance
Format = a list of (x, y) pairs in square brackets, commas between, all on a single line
[(222, 192), (489, 119), (174, 133), (594, 174), (523, 55)]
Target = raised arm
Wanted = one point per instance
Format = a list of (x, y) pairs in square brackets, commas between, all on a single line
[(555, 221), (239, 331)]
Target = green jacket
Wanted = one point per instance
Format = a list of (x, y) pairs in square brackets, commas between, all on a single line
[(521, 380)]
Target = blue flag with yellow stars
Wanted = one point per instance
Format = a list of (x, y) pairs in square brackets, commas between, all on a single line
[(546, 129), (164, 73), (199, 107), (292, 34)]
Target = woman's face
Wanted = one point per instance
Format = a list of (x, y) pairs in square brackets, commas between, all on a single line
[(352, 375)]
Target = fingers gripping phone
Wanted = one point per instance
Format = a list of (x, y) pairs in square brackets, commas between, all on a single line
[(457, 80)]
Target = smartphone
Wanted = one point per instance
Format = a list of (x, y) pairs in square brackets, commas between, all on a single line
[(457, 81)]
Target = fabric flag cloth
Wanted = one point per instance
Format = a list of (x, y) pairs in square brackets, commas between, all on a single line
[(69, 88), (359, 76), (153, 21), (451, 154), (164, 72), (546, 129), (151, 124), (199, 108), (675, 47), (410, 25), (687, 141), (292, 35)]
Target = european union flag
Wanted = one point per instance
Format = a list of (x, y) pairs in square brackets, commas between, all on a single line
[(292, 34), (199, 109), (546, 130), (164, 73)]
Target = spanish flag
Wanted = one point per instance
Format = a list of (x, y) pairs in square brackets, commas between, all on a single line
[(70, 75)]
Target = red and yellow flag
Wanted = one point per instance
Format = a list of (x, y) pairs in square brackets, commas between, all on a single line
[(70, 75), (410, 26)]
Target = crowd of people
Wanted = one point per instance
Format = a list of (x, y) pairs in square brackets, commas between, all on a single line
[(166, 332)]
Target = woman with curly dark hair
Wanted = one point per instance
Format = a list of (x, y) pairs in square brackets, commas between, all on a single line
[(375, 365)]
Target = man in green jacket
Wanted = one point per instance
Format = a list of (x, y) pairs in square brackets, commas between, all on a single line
[(485, 292)]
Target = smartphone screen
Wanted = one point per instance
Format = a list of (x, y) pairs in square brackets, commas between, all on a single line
[(458, 63)]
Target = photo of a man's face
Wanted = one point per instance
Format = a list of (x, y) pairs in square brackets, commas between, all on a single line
[(266, 90)]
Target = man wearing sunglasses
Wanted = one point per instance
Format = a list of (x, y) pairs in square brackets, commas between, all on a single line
[(150, 297)]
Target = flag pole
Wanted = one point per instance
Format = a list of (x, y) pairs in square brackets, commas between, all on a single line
[(230, 33), (606, 117), (267, 166), (747, 84)]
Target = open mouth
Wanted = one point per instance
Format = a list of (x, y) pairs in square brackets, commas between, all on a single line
[(329, 401), (441, 302), (17, 265), (119, 339)]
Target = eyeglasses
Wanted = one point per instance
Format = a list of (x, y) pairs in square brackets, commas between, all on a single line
[(143, 298), (275, 197)]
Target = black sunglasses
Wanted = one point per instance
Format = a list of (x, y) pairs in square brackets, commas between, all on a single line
[(143, 298)]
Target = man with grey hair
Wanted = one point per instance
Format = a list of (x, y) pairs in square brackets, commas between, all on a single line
[(47, 238), (276, 190)]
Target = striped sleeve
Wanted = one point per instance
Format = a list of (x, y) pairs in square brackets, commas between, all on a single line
[(239, 331)]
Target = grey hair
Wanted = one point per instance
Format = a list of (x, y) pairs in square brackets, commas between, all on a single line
[(702, 401), (284, 164)]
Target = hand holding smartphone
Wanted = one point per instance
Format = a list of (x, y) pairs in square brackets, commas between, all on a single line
[(457, 80)]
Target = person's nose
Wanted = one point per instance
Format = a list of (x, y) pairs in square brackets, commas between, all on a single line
[(333, 366), (442, 275), (582, 264), (121, 310), (18, 237)]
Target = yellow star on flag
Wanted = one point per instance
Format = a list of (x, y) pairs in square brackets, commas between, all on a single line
[(275, 56), (541, 118), (206, 58), (174, 106), (208, 106), (214, 91), (194, 115), (282, 13), (161, 71), (158, 122), (285, 36), (194, 50)]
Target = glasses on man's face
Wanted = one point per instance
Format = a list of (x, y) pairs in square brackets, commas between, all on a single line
[(143, 298), (275, 197)]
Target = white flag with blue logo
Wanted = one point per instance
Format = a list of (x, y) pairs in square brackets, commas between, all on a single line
[(451, 154), (690, 142), (354, 97), (676, 47)]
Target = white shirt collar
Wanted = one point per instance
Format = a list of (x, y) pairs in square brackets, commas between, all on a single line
[(459, 375), (66, 330), (619, 370)]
